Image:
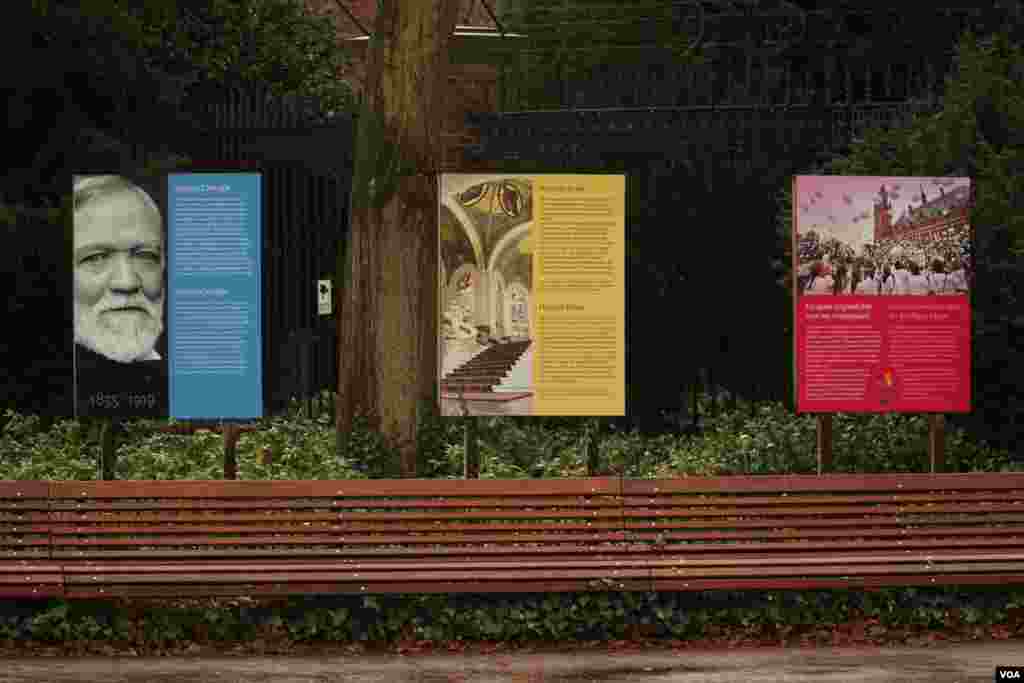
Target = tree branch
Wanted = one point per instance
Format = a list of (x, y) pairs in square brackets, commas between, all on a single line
[(351, 16)]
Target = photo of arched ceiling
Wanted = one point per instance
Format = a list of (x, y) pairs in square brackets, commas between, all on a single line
[(493, 213)]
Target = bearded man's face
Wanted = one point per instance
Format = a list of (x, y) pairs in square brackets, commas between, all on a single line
[(119, 276)]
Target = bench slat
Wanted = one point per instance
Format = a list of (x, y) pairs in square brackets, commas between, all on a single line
[(18, 519), (310, 528), (599, 513), (796, 574), (35, 553), (729, 552), (284, 575), (14, 490), (793, 483), (553, 521), (891, 520), (33, 592), (382, 553), (861, 510), (848, 582), (839, 547), (245, 505), (307, 539), (770, 533), (348, 568), (432, 488), (326, 534), (732, 557), (89, 507), (648, 513), (535, 585), (23, 545), (637, 561), (840, 570), (29, 566), (867, 483), (94, 544), (793, 499), (33, 579)]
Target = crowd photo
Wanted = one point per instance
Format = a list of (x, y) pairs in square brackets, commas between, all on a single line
[(852, 241)]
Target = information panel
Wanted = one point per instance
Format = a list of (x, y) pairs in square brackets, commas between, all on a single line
[(882, 273), (119, 273), (214, 307), (532, 294)]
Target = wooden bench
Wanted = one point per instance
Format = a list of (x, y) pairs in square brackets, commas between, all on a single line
[(185, 539)]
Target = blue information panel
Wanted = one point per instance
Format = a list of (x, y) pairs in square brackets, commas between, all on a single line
[(215, 344)]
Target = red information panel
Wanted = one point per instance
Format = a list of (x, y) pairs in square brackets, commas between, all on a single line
[(882, 272)]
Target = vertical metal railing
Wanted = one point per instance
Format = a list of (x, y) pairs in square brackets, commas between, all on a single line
[(302, 220)]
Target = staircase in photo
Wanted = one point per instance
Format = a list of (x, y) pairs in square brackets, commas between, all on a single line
[(486, 370)]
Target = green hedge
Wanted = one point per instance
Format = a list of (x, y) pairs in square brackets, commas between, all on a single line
[(780, 617), (763, 438)]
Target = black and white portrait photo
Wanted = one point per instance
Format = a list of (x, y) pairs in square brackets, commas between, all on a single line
[(120, 289)]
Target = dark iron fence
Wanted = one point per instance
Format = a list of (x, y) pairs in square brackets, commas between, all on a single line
[(305, 158), (710, 151), (693, 171), (706, 151), (856, 54)]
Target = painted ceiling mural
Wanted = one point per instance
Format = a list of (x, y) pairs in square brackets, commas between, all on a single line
[(493, 208), (510, 196), (497, 206)]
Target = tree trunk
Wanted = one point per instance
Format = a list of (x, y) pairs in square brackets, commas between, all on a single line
[(387, 355)]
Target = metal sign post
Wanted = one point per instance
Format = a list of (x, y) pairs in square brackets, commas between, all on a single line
[(937, 442), (824, 442)]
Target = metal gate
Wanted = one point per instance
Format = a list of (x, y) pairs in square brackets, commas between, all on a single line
[(306, 160)]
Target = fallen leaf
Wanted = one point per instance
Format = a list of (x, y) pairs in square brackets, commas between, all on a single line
[(1000, 632)]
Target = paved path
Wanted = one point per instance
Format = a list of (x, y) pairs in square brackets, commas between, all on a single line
[(955, 663)]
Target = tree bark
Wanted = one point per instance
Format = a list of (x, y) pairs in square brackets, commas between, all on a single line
[(387, 364)]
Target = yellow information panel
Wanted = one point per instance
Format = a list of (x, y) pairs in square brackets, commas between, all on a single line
[(532, 294)]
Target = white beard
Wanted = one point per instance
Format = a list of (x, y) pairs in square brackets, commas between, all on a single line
[(123, 337)]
